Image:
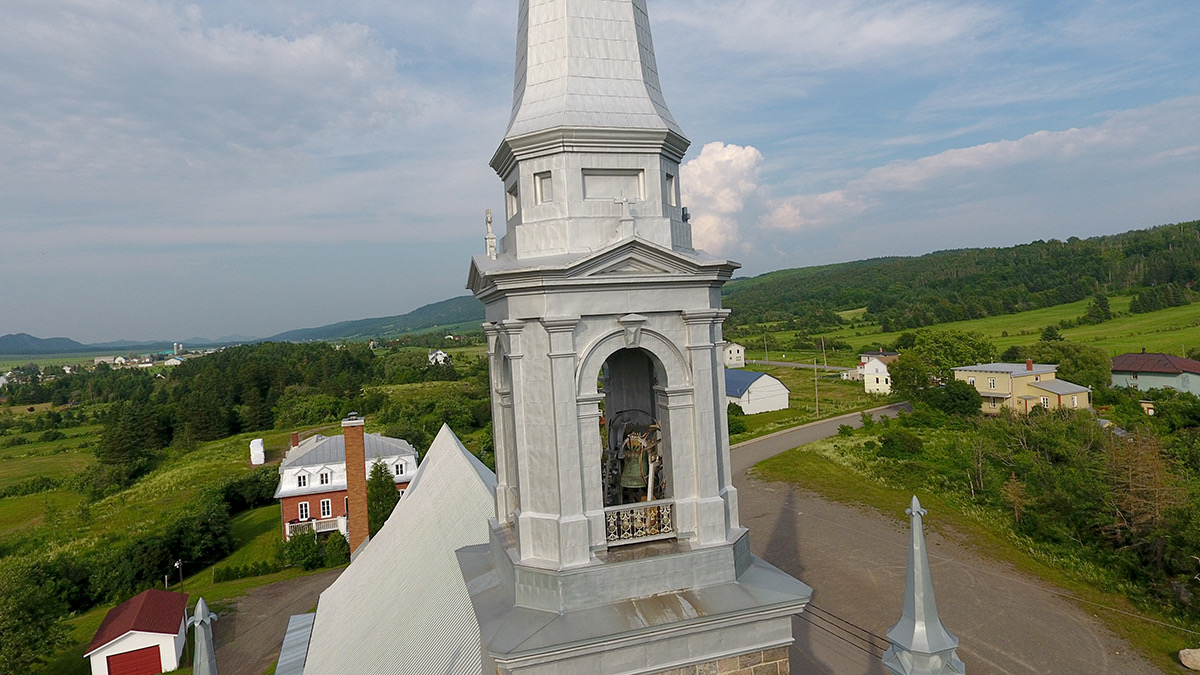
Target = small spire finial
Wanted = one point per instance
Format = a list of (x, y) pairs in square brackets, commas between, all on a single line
[(921, 645), (489, 240)]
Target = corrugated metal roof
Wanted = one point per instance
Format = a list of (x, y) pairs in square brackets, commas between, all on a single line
[(1060, 387), (1154, 363), (295, 645), (402, 605), (151, 611), (1014, 369), (738, 381), (322, 450)]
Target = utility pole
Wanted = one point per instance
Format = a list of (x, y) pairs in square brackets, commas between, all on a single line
[(816, 391), (179, 566), (823, 357), (766, 354)]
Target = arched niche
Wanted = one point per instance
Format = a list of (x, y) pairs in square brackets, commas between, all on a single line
[(626, 381)]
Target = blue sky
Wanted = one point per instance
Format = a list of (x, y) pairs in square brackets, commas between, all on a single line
[(173, 169)]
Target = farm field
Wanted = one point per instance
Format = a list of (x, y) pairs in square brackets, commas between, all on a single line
[(1166, 330)]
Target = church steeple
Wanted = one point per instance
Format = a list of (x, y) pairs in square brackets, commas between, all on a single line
[(591, 156)]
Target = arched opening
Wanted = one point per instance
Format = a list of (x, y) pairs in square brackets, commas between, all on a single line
[(632, 462)]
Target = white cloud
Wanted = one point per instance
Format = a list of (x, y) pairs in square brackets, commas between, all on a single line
[(835, 35), (715, 186), (1129, 147)]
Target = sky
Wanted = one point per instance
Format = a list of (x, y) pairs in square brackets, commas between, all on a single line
[(171, 170)]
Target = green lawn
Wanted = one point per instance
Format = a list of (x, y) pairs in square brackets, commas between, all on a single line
[(836, 397)]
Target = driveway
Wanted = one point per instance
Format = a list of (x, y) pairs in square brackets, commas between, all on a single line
[(857, 560), (248, 639)]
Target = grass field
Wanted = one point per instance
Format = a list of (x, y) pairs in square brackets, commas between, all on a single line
[(1172, 331), (836, 397)]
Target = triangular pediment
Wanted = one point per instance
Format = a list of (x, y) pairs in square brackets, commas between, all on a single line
[(633, 258)]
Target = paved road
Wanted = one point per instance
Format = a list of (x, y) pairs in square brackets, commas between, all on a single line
[(247, 640), (856, 560), (791, 364), (745, 455)]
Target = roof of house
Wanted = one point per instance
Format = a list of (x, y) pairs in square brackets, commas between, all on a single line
[(1060, 387), (1154, 363), (407, 581), (1013, 369), (738, 381), (151, 611), (321, 450)]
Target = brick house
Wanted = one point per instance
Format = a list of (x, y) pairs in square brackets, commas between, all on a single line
[(313, 477)]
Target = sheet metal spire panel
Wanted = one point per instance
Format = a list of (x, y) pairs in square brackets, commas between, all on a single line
[(921, 645), (586, 64)]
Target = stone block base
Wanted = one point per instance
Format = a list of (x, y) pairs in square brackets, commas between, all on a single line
[(766, 662)]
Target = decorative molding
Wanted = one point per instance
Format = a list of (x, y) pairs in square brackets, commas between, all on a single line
[(632, 323)]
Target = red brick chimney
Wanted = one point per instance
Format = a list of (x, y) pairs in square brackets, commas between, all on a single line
[(295, 439), (356, 479), (1028, 364)]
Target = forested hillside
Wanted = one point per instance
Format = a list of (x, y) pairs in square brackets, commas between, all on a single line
[(962, 284)]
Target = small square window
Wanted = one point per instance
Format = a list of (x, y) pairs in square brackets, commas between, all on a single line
[(301, 480), (971, 381), (991, 383), (399, 468), (324, 478), (303, 511)]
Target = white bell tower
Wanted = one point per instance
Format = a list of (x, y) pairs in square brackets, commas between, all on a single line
[(616, 545)]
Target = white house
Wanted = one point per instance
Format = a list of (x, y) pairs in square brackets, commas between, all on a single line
[(755, 392), (876, 379), (735, 355), (438, 357), (142, 635)]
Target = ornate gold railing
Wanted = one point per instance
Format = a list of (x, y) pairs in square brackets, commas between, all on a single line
[(633, 523)]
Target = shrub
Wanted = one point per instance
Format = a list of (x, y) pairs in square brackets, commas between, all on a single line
[(337, 550), (51, 435), (899, 443), (303, 551), (845, 430)]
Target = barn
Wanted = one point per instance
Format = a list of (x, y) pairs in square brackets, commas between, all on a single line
[(141, 636), (755, 392)]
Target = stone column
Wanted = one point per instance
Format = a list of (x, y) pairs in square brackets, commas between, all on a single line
[(574, 544), (708, 378)]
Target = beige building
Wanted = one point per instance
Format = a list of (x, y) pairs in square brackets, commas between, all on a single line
[(1023, 387)]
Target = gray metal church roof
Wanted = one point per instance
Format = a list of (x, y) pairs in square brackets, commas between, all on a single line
[(402, 605)]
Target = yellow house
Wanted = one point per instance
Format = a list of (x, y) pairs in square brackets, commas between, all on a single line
[(1022, 387)]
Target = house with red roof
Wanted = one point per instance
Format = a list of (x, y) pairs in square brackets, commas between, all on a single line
[(1156, 371), (141, 636)]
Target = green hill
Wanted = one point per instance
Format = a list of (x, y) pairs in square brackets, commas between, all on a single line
[(910, 292), (447, 313)]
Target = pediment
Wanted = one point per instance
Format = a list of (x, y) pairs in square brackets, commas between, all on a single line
[(633, 259)]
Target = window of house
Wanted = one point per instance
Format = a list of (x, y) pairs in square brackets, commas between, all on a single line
[(324, 478), (1045, 401), (991, 383), (993, 399), (877, 380), (971, 381), (885, 381), (326, 508), (346, 506), (301, 480), (1074, 401), (303, 510), (399, 468), (401, 491), (1037, 378)]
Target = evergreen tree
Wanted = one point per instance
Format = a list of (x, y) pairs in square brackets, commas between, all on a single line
[(381, 497)]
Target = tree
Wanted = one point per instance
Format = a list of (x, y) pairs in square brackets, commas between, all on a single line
[(1085, 365), (381, 497), (31, 624), (1051, 334), (956, 398), (337, 550), (910, 376), (946, 349)]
